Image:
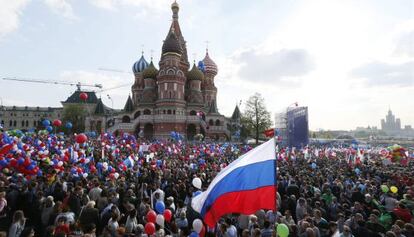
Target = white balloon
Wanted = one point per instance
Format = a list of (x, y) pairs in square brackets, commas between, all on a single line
[(116, 175), (160, 220), (60, 163), (197, 225), (197, 183), (85, 175)]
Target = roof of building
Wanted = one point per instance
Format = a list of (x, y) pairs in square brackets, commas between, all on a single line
[(150, 72), (171, 44), (75, 97), (195, 74), (129, 106), (209, 65), (30, 108), (100, 108), (236, 113), (140, 65)]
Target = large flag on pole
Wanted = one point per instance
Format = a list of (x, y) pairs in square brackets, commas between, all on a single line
[(244, 186)]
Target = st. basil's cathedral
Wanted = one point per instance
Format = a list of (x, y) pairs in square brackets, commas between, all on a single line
[(172, 98)]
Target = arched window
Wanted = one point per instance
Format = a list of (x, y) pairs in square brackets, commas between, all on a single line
[(137, 114), (163, 111), (34, 123), (173, 111), (192, 112), (27, 123), (211, 122), (10, 123), (217, 122), (169, 111), (126, 119), (14, 123), (147, 112), (22, 123)]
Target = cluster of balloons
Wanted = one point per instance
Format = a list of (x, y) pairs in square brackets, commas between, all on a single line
[(56, 123), (159, 216), (396, 153), (176, 136), (385, 189)]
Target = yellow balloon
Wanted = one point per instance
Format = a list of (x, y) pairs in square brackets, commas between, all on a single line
[(394, 189)]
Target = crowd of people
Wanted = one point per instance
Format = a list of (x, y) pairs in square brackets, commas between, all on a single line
[(67, 185)]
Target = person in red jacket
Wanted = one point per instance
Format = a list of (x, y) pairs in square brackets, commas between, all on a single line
[(62, 226), (402, 213)]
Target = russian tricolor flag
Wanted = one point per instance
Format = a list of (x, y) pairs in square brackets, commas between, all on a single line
[(244, 186)]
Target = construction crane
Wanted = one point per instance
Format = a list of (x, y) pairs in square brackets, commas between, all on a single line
[(77, 84)]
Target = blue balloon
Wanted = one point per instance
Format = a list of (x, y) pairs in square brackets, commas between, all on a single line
[(31, 167), (159, 163), (201, 66), (39, 173), (49, 128), (3, 162), (196, 193), (313, 166), (160, 207), (20, 161), (357, 171), (193, 234), (69, 125), (46, 123)]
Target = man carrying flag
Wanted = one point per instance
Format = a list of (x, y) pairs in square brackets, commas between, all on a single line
[(246, 185)]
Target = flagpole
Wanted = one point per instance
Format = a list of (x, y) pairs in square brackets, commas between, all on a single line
[(275, 141)]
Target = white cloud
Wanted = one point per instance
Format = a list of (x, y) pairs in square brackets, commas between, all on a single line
[(144, 5), (385, 74), (286, 66), (10, 12), (61, 7)]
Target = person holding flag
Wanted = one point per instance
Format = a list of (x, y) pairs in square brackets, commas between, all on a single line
[(246, 185)]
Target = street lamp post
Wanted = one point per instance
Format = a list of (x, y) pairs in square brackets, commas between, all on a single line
[(112, 107)]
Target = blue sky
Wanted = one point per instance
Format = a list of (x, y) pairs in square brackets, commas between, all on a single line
[(347, 60)]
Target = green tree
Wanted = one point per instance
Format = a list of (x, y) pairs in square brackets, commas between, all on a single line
[(76, 115), (256, 118)]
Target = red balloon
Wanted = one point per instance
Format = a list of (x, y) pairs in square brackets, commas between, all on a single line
[(167, 215), (149, 228), (151, 216), (57, 123), (81, 138), (27, 162), (13, 162), (6, 148), (83, 96)]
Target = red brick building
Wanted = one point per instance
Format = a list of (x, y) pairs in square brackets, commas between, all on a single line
[(168, 98)]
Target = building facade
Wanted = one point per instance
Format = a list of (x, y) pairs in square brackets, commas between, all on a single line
[(172, 96), (176, 96), (392, 126), (25, 118)]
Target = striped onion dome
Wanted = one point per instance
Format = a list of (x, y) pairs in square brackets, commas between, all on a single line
[(140, 65), (209, 65)]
